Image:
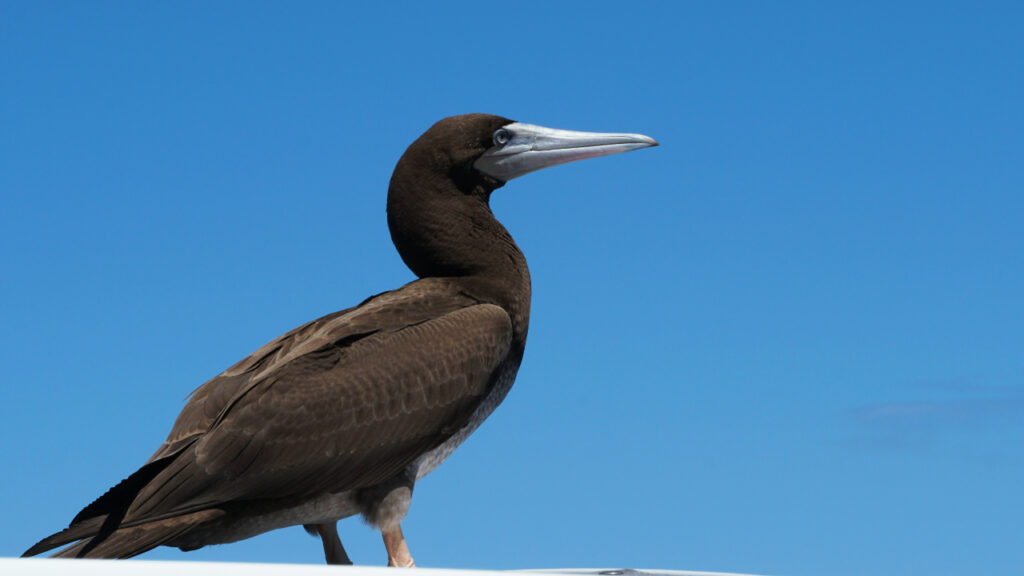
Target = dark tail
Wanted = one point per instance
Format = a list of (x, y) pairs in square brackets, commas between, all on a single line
[(103, 517), (86, 529), (134, 540)]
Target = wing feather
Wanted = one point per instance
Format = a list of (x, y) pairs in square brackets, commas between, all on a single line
[(343, 402)]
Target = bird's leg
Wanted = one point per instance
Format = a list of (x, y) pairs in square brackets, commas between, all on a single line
[(334, 552), (398, 550), (384, 506)]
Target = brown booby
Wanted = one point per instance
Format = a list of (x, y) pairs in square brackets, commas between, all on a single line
[(341, 416)]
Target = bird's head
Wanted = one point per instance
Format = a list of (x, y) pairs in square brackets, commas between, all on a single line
[(486, 150), (441, 186)]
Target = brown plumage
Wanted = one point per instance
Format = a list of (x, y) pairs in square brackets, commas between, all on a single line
[(342, 415)]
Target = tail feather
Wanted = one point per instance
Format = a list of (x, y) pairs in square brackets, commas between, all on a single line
[(117, 500), (85, 529), (135, 540), (102, 517)]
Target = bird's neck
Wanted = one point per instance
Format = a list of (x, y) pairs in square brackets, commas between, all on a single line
[(456, 236)]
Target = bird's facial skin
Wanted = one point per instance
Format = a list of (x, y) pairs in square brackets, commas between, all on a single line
[(519, 149)]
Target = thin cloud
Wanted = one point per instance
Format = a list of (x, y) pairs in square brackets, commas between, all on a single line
[(951, 413), (967, 421)]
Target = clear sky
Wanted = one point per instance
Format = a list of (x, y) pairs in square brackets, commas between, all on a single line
[(788, 341)]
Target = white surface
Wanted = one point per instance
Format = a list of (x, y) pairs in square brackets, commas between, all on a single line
[(47, 566)]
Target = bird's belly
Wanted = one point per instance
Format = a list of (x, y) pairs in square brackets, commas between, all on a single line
[(426, 463), (242, 523)]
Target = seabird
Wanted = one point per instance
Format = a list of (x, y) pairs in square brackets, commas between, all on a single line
[(341, 416)]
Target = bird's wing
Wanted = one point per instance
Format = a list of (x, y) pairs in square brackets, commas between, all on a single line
[(388, 311), (344, 402)]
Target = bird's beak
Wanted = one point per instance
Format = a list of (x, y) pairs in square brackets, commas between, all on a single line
[(522, 148)]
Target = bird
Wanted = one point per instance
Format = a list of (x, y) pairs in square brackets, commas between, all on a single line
[(343, 415)]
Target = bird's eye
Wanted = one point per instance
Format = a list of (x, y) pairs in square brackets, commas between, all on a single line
[(501, 137)]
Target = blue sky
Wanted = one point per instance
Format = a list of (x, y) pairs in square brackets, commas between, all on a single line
[(787, 341)]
